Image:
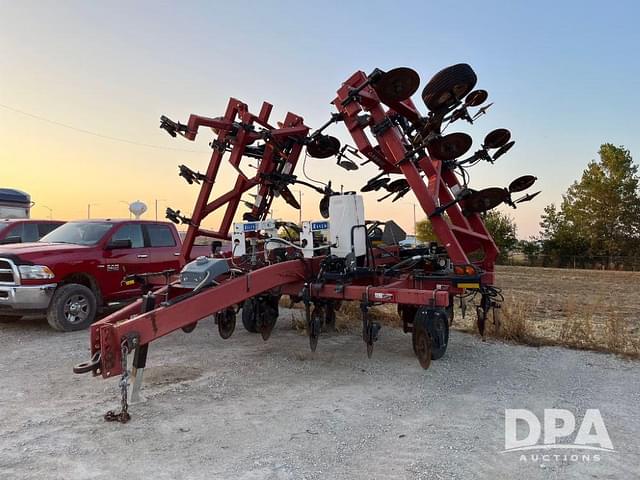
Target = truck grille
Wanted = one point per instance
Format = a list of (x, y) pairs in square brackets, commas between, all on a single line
[(6, 272)]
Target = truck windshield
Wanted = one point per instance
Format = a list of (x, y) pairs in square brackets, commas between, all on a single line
[(80, 233)]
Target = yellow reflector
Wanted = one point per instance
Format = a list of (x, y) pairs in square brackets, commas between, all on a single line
[(468, 285)]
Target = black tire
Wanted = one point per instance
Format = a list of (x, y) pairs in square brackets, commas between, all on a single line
[(9, 318), (249, 318), (436, 322), (448, 86), (439, 330), (73, 307)]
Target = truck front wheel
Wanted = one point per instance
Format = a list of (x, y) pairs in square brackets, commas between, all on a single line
[(73, 307)]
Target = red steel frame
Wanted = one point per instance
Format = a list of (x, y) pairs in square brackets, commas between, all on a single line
[(460, 234)]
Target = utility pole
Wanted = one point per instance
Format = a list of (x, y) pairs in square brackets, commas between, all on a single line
[(159, 200), (89, 205), (300, 209), (415, 224)]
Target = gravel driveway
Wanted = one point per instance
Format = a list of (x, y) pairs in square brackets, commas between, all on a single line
[(246, 409)]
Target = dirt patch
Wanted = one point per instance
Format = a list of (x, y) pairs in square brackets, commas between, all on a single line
[(273, 410), (168, 374)]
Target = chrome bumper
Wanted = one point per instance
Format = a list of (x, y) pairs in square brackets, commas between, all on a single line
[(25, 297)]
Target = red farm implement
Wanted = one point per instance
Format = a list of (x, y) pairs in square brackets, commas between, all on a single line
[(343, 256)]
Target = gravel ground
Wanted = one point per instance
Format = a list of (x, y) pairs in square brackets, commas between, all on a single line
[(246, 409)]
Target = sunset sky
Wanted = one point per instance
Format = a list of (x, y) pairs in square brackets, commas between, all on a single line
[(564, 77)]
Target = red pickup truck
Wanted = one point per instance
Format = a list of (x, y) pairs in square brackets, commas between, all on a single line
[(78, 268), (25, 230)]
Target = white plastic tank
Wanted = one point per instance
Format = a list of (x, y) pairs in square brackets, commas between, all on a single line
[(345, 212)]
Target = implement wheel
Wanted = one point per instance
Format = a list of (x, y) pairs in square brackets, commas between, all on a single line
[(226, 321), (439, 325), (259, 314), (449, 86), (249, 320), (436, 322)]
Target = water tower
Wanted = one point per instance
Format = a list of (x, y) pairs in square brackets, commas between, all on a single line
[(137, 208)]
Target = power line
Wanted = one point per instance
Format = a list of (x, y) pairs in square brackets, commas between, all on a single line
[(95, 134)]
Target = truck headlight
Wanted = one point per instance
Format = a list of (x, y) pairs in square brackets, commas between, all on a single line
[(35, 272)]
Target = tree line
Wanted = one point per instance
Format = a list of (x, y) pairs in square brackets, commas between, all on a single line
[(596, 225)]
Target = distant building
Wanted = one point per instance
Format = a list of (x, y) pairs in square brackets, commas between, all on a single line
[(14, 203)]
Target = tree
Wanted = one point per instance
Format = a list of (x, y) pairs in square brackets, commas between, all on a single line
[(530, 248), (503, 230), (501, 227), (424, 232), (560, 237), (600, 213), (289, 233)]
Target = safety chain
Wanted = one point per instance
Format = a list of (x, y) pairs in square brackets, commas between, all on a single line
[(123, 416)]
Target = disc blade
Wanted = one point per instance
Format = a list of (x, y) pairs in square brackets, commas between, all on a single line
[(324, 206), (496, 138), (528, 197), (288, 197), (323, 146), (475, 98), (522, 183), (484, 200), (375, 184), (502, 150), (347, 164), (450, 146), (401, 194), (397, 185), (397, 85)]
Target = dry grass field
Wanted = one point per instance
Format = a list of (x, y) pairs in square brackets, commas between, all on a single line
[(583, 309), (587, 309)]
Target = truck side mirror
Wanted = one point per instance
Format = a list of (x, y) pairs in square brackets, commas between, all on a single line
[(118, 244), (8, 240)]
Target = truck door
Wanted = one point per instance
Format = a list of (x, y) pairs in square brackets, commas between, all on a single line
[(120, 262), (163, 249)]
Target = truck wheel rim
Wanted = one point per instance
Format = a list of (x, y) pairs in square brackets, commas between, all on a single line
[(76, 309)]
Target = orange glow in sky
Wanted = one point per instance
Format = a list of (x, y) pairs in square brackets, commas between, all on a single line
[(114, 68)]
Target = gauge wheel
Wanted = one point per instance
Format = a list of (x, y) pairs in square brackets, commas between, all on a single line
[(226, 322), (439, 329), (436, 321), (448, 86), (249, 318)]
